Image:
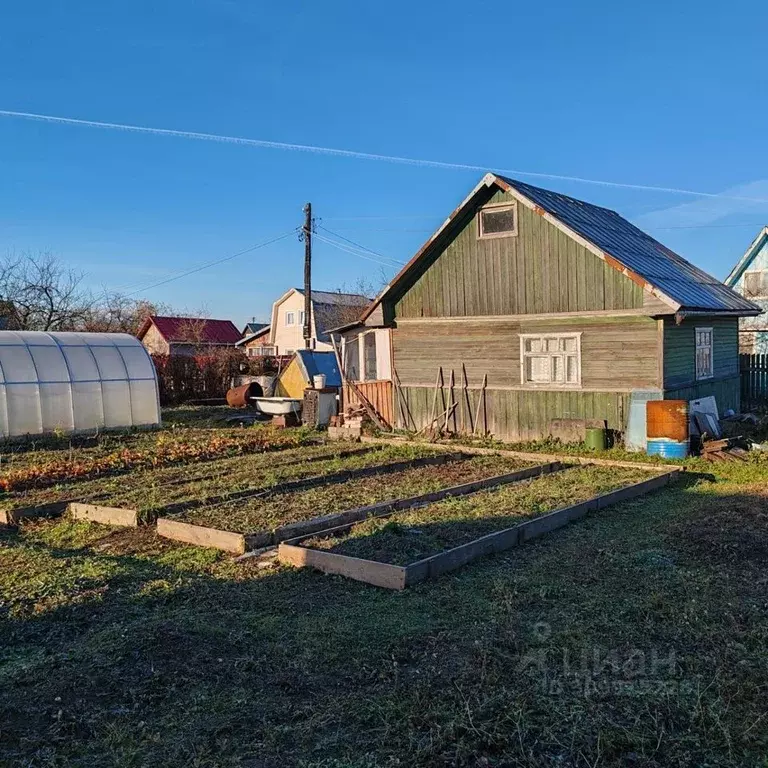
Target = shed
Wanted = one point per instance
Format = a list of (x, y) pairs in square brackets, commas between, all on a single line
[(74, 382), (303, 367)]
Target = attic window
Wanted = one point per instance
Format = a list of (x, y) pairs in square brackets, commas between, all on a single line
[(756, 284), (497, 220)]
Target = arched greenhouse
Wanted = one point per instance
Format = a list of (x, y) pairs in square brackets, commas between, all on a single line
[(74, 382)]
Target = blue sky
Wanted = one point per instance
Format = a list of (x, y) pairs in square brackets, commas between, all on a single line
[(668, 94)]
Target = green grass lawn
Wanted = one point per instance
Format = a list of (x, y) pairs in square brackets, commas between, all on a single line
[(636, 637)]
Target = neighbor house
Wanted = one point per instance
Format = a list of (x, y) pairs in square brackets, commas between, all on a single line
[(750, 278), (256, 343), (564, 308), (330, 309), (186, 335)]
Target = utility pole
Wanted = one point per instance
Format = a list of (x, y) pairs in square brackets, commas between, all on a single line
[(307, 230)]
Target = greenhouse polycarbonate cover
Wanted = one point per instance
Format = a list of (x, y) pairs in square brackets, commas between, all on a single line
[(53, 381)]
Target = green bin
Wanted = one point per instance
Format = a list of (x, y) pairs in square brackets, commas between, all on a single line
[(596, 439)]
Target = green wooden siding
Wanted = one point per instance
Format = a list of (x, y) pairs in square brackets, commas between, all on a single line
[(680, 361), (540, 270), (514, 414)]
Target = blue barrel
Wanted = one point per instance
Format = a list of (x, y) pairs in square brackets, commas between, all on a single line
[(667, 449)]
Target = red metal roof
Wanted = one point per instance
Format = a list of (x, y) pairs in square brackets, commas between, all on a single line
[(205, 331)]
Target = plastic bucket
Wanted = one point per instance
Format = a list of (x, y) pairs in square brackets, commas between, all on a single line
[(319, 381), (668, 449), (596, 439)]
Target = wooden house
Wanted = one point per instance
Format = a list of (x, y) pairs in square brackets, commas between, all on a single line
[(750, 278), (256, 341), (563, 307)]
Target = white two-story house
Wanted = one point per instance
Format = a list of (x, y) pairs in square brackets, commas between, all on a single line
[(330, 309)]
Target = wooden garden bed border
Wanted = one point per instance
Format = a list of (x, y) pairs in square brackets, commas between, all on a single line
[(294, 552), (239, 543), (525, 455)]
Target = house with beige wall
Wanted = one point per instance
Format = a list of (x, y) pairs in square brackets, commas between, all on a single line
[(330, 309)]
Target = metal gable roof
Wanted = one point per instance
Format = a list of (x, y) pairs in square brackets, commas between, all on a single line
[(676, 281), (661, 267)]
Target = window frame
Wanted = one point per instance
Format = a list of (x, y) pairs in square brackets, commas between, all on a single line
[(364, 355), (710, 346), (512, 206), (550, 384), (292, 315)]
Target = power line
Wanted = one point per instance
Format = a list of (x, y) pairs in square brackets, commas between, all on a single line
[(214, 263), (358, 245), (358, 253), (266, 144)]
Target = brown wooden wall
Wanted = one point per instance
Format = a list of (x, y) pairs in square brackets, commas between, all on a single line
[(540, 270), (617, 353)]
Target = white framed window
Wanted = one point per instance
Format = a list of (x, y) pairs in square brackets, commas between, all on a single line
[(497, 220), (550, 359), (290, 318), (756, 284), (263, 351), (705, 349), (301, 317)]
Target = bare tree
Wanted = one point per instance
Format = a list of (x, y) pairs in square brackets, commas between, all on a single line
[(46, 295), (117, 313)]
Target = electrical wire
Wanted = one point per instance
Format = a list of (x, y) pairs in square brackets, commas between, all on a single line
[(215, 262), (358, 253), (358, 245), (266, 144)]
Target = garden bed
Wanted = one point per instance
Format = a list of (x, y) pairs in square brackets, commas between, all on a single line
[(418, 533), (261, 522), (395, 551), (248, 515), (150, 490)]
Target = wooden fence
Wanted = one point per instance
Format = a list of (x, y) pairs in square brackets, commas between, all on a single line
[(379, 395), (754, 381)]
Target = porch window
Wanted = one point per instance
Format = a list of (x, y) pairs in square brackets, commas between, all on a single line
[(704, 353), (369, 355), (756, 284), (352, 358), (552, 360), (497, 220)]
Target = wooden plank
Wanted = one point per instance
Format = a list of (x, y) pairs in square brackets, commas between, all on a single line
[(12, 517), (104, 515), (538, 526), (368, 571), (559, 457), (201, 536)]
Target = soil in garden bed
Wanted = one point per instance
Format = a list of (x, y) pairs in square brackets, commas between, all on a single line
[(262, 514), (147, 490), (408, 536)]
